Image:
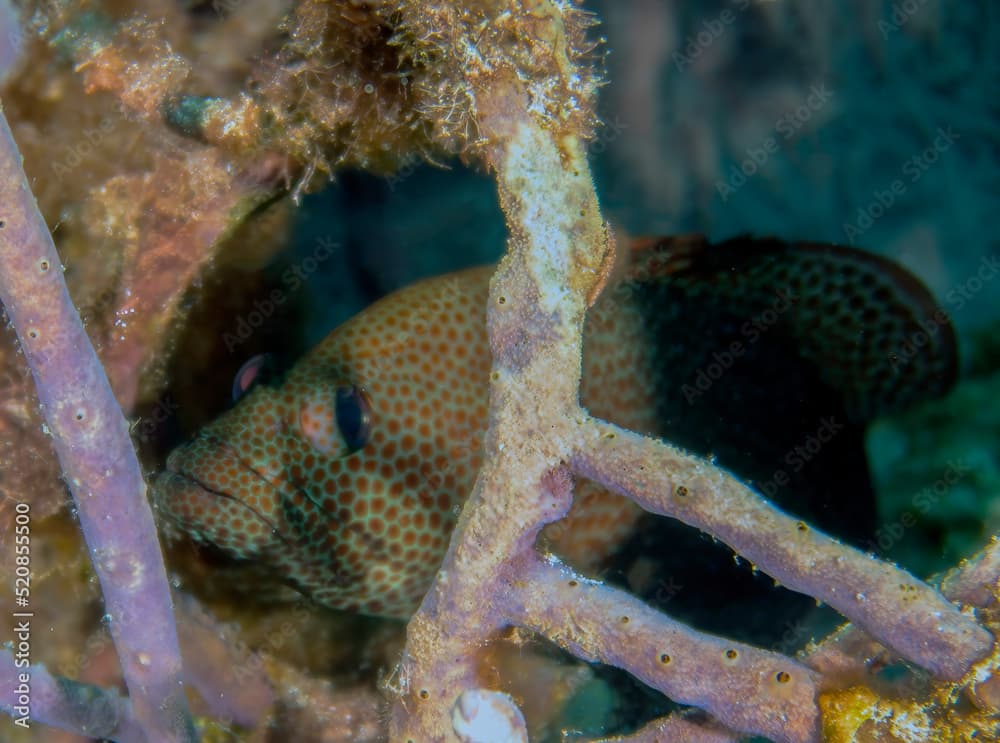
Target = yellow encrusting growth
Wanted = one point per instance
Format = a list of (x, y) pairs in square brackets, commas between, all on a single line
[(966, 711)]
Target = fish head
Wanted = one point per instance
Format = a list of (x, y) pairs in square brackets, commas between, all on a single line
[(345, 479), (222, 488)]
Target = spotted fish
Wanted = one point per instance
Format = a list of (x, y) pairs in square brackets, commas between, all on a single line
[(344, 479)]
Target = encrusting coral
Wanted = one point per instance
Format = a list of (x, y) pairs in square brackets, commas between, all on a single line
[(509, 84)]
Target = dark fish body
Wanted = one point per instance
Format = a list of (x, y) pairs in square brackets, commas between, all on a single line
[(771, 357)]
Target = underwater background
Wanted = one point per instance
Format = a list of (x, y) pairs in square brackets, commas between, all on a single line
[(869, 124)]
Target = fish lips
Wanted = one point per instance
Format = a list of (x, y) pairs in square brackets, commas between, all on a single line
[(194, 493), (201, 492)]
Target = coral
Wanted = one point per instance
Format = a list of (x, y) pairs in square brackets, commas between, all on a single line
[(90, 437), (508, 84), (912, 708)]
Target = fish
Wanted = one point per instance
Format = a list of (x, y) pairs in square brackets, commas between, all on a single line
[(344, 477)]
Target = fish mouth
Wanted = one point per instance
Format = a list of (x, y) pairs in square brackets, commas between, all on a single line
[(189, 486), (187, 497), (183, 490)]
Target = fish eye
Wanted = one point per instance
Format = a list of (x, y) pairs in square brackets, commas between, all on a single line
[(258, 370), (354, 416)]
